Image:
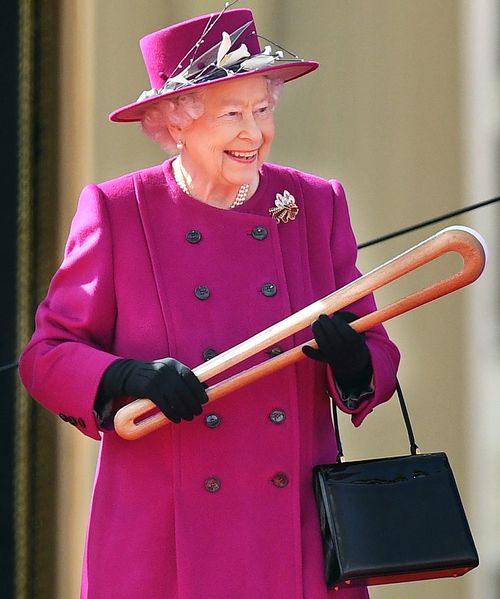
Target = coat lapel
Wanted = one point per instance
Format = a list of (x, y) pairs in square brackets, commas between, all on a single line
[(150, 193)]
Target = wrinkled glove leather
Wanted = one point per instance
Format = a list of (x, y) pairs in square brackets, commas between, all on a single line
[(344, 349), (171, 385)]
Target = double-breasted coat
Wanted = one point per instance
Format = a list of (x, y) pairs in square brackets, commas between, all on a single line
[(221, 507)]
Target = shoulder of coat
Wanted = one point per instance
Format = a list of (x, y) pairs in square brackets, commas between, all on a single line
[(124, 186), (309, 184)]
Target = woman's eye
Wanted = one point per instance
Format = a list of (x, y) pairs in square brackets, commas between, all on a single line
[(231, 114), (263, 111)]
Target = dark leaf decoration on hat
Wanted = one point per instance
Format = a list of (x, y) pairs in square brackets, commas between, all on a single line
[(210, 58)]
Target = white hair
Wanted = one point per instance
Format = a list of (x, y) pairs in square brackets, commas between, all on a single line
[(182, 110)]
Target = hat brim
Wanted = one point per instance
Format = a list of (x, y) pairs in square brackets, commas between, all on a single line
[(286, 72)]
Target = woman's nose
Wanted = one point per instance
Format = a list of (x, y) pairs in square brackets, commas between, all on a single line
[(250, 129)]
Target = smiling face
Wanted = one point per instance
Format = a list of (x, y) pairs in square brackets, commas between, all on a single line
[(224, 148)]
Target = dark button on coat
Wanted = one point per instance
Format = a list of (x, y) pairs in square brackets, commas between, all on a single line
[(193, 236), (280, 480), (209, 353), (269, 289), (212, 484), (202, 292), (277, 416), (260, 233), (212, 420)]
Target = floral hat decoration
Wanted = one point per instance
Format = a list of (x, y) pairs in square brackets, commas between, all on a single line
[(206, 50)]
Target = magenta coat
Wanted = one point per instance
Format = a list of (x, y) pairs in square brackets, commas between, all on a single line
[(221, 507)]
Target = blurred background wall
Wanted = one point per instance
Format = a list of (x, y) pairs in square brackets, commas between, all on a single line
[(404, 111)]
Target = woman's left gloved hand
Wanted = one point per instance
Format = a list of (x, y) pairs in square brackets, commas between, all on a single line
[(344, 349)]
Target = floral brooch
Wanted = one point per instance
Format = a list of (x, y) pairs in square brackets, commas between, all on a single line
[(285, 209)]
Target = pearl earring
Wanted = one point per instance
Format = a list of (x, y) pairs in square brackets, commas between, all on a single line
[(179, 145)]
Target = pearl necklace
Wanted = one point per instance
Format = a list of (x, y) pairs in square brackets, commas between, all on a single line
[(180, 179)]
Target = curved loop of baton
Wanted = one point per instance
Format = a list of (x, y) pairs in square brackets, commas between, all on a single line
[(138, 419)]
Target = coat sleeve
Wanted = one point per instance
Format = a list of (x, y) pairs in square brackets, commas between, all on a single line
[(384, 354), (70, 349)]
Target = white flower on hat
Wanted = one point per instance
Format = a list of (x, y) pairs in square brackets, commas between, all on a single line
[(173, 83), (261, 60), (170, 84), (149, 93), (224, 59)]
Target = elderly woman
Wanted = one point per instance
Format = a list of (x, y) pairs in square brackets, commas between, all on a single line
[(167, 267)]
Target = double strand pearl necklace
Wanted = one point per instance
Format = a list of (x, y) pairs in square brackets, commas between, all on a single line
[(180, 179)]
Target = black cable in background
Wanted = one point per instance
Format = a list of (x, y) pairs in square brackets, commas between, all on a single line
[(366, 244), (426, 223)]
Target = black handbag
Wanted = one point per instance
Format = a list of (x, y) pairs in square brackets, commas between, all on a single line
[(395, 519)]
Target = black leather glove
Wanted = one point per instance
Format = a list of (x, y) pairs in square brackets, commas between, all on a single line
[(171, 385), (344, 349)]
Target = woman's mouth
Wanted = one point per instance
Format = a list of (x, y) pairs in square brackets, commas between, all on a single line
[(243, 157)]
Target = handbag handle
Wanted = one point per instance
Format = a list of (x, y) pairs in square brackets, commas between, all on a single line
[(414, 450)]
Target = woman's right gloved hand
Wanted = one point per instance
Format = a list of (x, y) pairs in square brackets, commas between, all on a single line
[(171, 385)]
